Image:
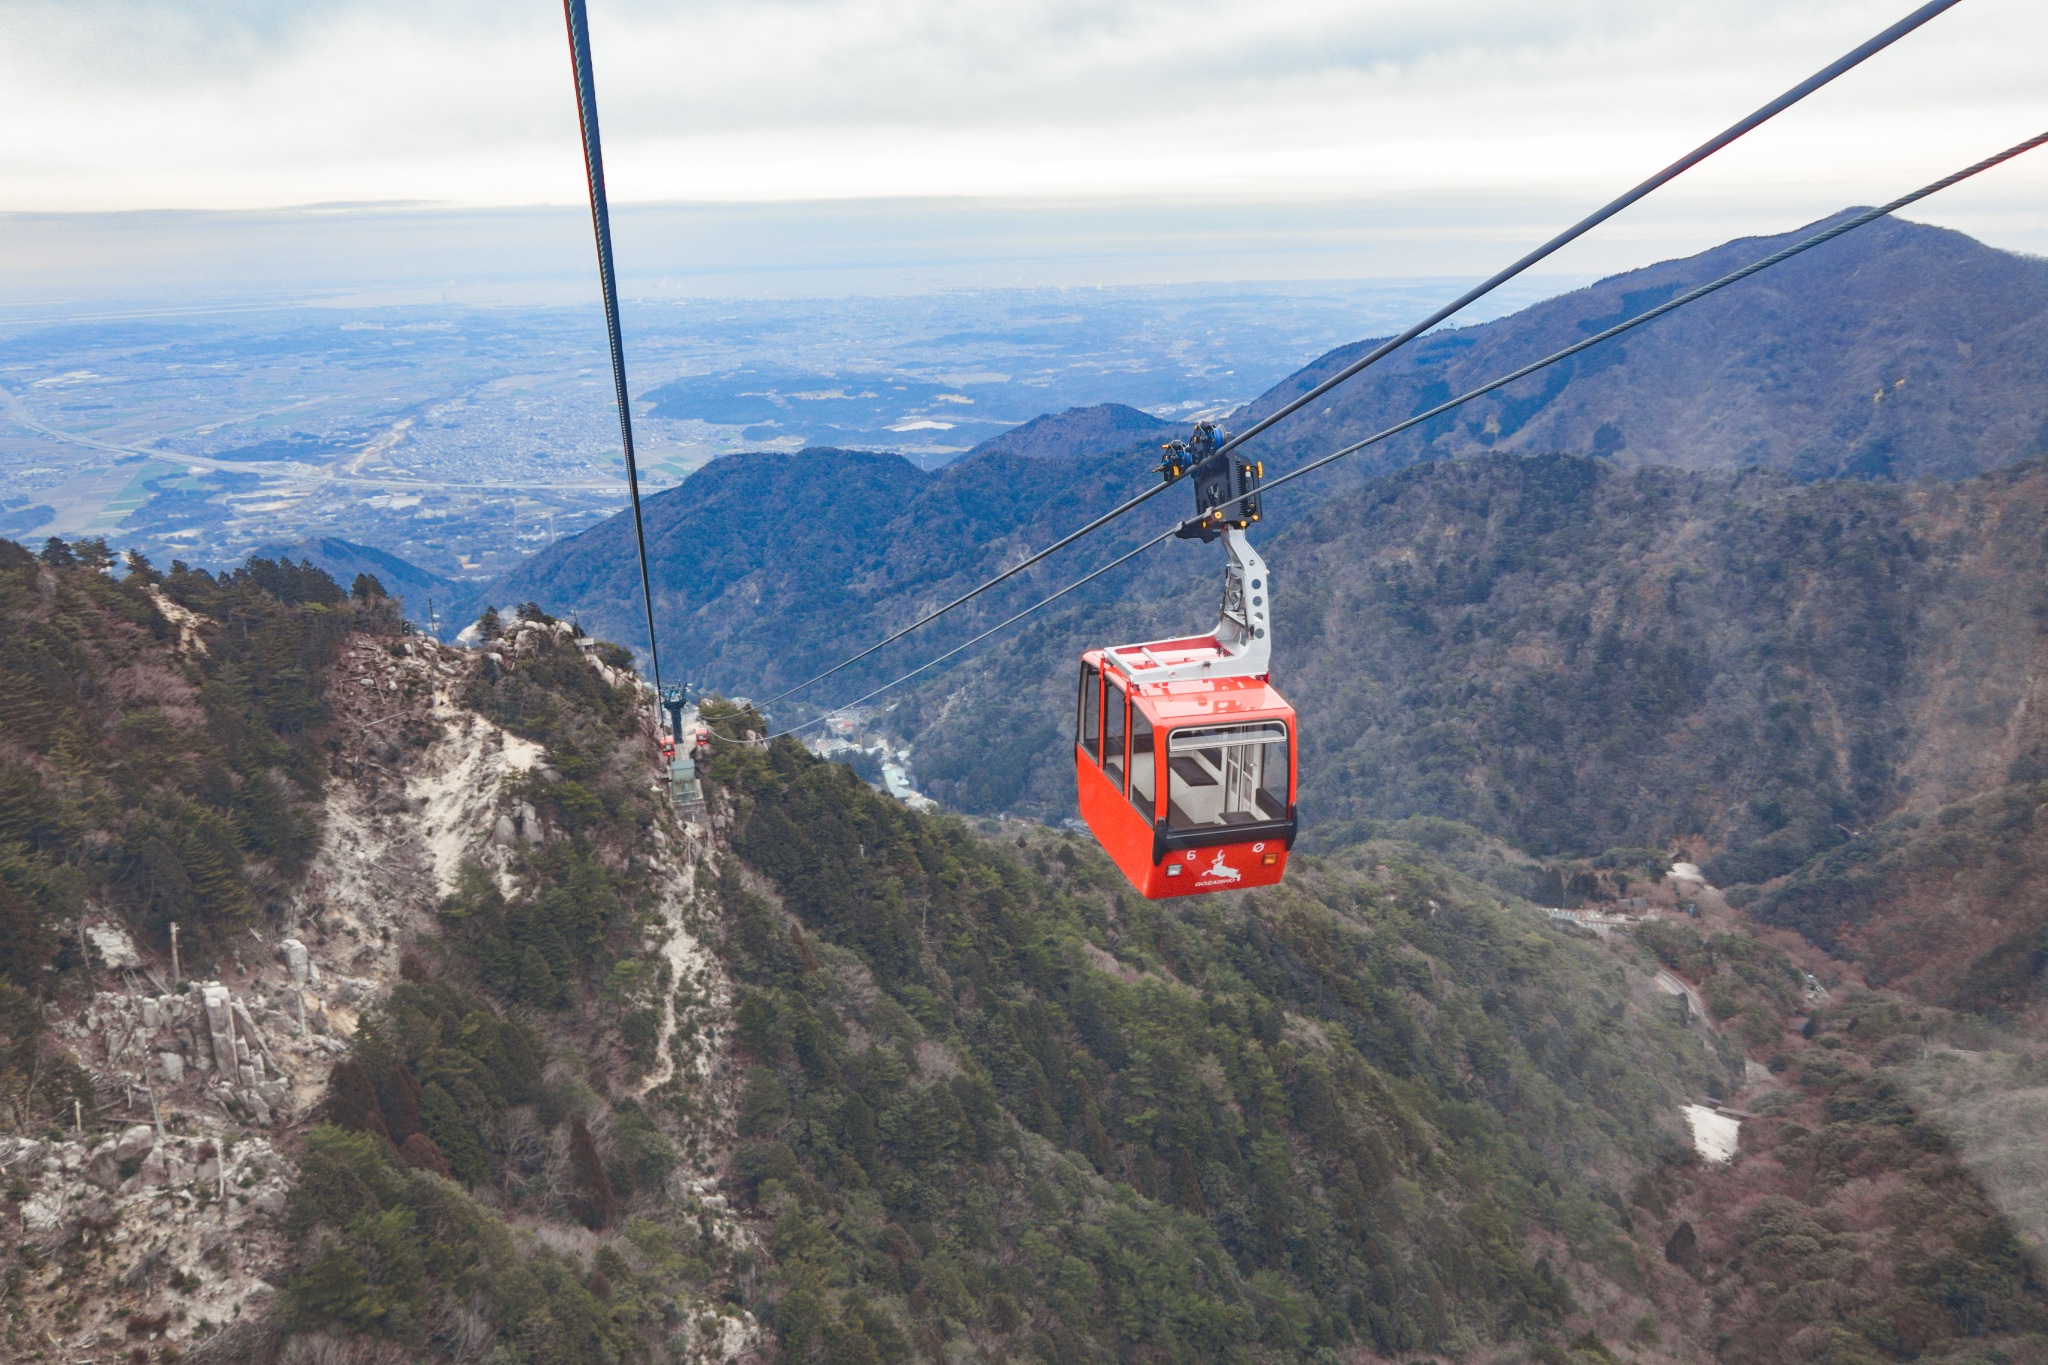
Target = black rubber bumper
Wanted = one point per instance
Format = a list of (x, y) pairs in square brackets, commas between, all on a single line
[(1165, 841)]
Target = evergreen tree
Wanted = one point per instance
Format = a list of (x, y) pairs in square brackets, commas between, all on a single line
[(453, 1135), (537, 984), (420, 1153), (401, 1103), (594, 1200), (352, 1099)]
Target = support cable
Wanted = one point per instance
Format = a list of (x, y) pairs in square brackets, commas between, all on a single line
[(1706, 149), (1593, 220), (1086, 578), (972, 593), (1806, 244), (601, 225)]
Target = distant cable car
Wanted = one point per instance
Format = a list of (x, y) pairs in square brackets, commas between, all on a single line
[(1183, 750)]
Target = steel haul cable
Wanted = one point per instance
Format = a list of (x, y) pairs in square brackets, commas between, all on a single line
[(1599, 216), (1846, 62), (1086, 578), (1797, 248), (601, 225)]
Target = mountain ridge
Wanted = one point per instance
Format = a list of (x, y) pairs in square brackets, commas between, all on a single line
[(1897, 351), (342, 560), (1099, 430)]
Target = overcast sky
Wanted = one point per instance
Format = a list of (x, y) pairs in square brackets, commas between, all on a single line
[(1437, 113)]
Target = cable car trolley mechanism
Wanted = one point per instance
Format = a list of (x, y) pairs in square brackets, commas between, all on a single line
[(1183, 750)]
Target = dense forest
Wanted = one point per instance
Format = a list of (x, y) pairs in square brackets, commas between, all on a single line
[(1573, 655), (999, 1094)]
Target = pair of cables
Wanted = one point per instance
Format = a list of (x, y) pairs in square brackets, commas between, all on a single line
[(1689, 297), (1848, 61)]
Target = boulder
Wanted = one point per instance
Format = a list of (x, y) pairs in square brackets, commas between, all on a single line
[(220, 1026), (296, 958), (135, 1142), (114, 945), (44, 1211), (103, 1168)]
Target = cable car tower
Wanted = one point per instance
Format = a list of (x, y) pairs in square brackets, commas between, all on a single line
[(1183, 749)]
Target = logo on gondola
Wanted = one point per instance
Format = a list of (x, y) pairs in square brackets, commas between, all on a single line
[(1222, 870)]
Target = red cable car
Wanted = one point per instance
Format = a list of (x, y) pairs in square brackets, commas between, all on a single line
[(1183, 750)]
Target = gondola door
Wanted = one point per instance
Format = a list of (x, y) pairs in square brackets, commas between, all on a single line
[(1241, 781)]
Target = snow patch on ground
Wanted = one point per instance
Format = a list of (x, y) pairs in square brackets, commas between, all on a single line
[(1715, 1136)]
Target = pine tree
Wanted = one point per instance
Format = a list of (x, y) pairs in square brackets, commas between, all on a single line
[(594, 1200), (401, 1096), (451, 1132), (537, 984), (420, 1153), (352, 1099)]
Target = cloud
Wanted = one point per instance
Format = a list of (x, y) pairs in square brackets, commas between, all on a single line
[(245, 105)]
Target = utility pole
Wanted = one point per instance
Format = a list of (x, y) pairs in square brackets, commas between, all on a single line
[(174, 955)]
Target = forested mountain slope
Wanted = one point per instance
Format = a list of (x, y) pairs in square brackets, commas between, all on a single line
[(766, 568), (832, 1080), (1898, 351), (1574, 655)]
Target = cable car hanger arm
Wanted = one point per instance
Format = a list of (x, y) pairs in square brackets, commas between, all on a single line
[(1599, 216)]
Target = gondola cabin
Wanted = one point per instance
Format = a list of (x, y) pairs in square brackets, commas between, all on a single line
[(1184, 751)]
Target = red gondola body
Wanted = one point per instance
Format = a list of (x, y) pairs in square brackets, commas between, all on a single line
[(1184, 751)]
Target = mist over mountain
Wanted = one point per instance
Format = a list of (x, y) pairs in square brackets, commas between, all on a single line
[(1898, 351)]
